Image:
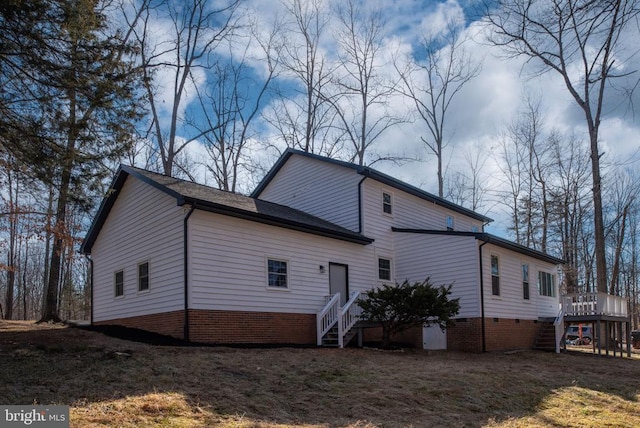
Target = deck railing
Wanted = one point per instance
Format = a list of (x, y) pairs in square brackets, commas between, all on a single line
[(327, 317), (349, 316), (580, 304), (332, 315)]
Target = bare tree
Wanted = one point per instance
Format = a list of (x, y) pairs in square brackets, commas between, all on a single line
[(431, 79), (363, 92), (301, 114), (467, 186), (178, 52), (570, 206), (624, 192), (581, 41), (230, 102)]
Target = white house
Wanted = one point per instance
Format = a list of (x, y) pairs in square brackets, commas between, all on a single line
[(205, 265)]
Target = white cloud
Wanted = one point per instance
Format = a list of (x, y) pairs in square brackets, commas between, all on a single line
[(485, 105), (445, 14)]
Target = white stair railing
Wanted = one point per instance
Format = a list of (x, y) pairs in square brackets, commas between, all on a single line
[(349, 316), (559, 328), (327, 317)]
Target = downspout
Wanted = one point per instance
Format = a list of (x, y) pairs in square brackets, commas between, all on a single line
[(185, 333), (90, 260), (360, 210), (482, 320)]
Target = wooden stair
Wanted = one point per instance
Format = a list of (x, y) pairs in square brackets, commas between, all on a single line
[(331, 338), (546, 339)]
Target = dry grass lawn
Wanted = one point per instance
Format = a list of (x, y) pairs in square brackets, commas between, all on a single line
[(110, 382)]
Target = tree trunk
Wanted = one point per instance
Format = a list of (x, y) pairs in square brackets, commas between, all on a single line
[(50, 307), (615, 271), (600, 249), (11, 256), (24, 280)]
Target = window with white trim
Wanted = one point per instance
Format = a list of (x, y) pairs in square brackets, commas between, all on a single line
[(387, 201), (450, 222), (547, 284), (277, 273), (495, 275), (143, 276), (384, 269), (525, 281), (118, 279)]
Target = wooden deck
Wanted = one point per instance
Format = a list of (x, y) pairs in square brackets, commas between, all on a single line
[(608, 315)]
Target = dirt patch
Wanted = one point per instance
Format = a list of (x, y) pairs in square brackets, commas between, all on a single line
[(136, 335), (109, 381)]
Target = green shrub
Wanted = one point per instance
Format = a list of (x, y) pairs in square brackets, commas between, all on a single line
[(401, 306)]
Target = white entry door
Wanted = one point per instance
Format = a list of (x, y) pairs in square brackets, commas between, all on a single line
[(339, 281)]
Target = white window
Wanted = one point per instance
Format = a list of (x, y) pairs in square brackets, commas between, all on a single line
[(387, 202), (143, 276), (384, 269), (118, 279), (495, 275), (525, 281), (547, 284), (277, 273), (450, 222)]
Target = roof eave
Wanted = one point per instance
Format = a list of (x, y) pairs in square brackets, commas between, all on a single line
[(504, 243), (277, 221), (103, 211), (370, 173), (395, 183), (490, 239)]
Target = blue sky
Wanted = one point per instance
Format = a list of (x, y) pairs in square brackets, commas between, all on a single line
[(479, 113)]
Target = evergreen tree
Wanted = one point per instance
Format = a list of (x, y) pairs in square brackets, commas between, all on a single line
[(401, 306), (69, 104)]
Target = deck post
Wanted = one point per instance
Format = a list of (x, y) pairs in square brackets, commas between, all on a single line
[(628, 334)]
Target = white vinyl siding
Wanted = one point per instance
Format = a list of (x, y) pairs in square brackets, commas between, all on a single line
[(414, 212), (445, 260), (319, 188), (144, 225), (228, 272), (510, 304), (376, 224)]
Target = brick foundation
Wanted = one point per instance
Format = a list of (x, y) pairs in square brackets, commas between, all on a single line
[(465, 335), (228, 326), (167, 323), (506, 334), (501, 334), (251, 327)]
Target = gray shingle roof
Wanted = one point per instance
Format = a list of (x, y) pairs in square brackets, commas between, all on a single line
[(221, 202)]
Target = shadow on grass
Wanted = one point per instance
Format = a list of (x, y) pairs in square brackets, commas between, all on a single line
[(208, 386)]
